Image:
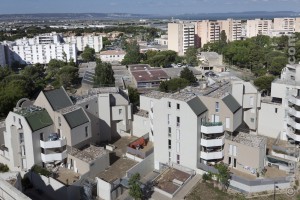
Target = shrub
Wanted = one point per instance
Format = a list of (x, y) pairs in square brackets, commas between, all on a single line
[(3, 168), (40, 170)]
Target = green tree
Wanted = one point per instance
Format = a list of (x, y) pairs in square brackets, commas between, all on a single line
[(277, 64), (104, 74), (4, 72), (67, 76), (223, 175), (134, 186), (133, 55), (173, 85), (36, 75), (188, 75), (264, 83), (134, 96), (88, 54), (54, 66), (106, 42), (191, 56)]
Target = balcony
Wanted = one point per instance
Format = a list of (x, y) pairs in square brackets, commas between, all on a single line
[(53, 144), (212, 127), (212, 155), (213, 142), (54, 156), (292, 111), (293, 123), (294, 100), (291, 134)]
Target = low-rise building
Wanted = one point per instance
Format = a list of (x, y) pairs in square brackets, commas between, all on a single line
[(112, 56)]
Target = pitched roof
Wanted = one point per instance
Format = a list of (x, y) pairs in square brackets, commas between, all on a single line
[(231, 103), (197, 106), (58, 99), (38, 120), (76, 118)]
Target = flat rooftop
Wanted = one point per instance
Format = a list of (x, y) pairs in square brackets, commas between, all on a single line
[(165, 180), (66, 176), (142, 113), (181, 96), (112, 52), (88, 154), (249, 140), (144, 73), (287, 82)]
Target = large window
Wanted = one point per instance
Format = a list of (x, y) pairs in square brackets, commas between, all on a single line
[(21, 137), (178, 121), (169, 144), (86, 132), (217, 106)]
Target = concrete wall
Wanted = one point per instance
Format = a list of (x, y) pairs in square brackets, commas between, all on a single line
[(267, 115), (140, 125), (143, 168), (9, 192)]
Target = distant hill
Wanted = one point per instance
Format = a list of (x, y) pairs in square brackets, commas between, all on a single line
[(111, 16)]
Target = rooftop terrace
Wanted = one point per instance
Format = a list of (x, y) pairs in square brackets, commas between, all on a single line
[(249, 140), (88, 154)]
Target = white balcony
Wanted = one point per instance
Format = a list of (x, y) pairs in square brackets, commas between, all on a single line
[(293, 123), (294, 112), (212, 128), (290, 133), (53, 144), (294, 100), (212, 155), (54, 156), (213, 142)]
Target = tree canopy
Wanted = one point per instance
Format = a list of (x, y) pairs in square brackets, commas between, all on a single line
[(104, 74), (191, 56), (134, 186), (264, 83), (188, 75), (161, 58), (133, 55), (173, 85), (88, 54)]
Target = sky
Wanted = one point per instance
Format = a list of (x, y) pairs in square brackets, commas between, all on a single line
[(162, 7)]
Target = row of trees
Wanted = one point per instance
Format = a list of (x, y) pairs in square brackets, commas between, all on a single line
[(157, 58)]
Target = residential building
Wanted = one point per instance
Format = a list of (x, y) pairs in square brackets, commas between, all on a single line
[(258, 27), (282, 107), (284, 24), (2, 56), (146, 77), (92, 41), (207, 31), (112, 56), (181, 36), (163, 40), (232, 28), (189, 126)]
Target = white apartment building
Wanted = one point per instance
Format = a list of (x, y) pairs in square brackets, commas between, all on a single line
[(181, 36), (93, 41), (40, 49), (188, 127), (207, 31), (258, 27), (279, 114), (2, 56), (163, 40)]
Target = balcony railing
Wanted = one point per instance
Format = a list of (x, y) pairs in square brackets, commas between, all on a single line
[(212, 127), (213, 142), (211, 155), (54, 156), (53, 144), (212, 124)]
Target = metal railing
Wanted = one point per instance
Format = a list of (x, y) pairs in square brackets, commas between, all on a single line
[(212, 124)]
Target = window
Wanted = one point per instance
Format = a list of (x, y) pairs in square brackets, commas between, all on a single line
[(21, 137), (178, 106), (120, 111), (169, 144), (169, 132), (276, 110), (230, 150), (87, 106), (170, 156), (252, 120), (234, 162), (234, 150), (177, 134), (169, 118), (178, 159), (251, 101), (86, 132), (14, 118), (229, 160), (169, 104), (177, 147), (227, 122), (59, 121), (178, 121), (217, 107)]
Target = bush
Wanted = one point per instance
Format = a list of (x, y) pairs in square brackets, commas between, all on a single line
[(40, 170), (4, 168), (206, 177)]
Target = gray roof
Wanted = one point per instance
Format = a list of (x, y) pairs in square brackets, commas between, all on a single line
[(231, 103), (76, 118), (197, 106), (58, 99)]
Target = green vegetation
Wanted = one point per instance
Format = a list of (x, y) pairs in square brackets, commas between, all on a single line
[(188, 75), (223, 175), (88, 54), (173, 85), (133, 55), (106, 42), (134, 96), (3, 168), (104, 75), (191, 56), (40, 170), (135, 190), (264, 83), (161, 58)]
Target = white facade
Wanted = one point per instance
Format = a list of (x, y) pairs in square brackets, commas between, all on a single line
[(181, 36), (93, 41), (112, 56), (2, 56), (258, 27), (281, 108)]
